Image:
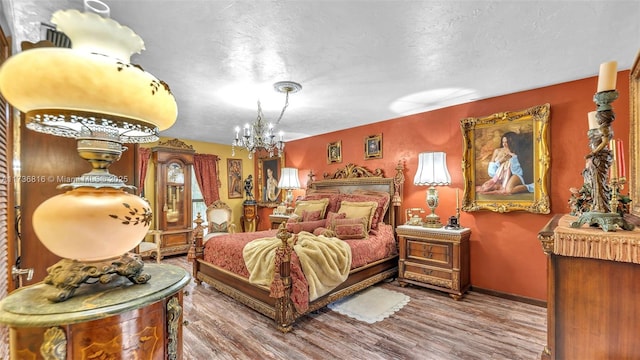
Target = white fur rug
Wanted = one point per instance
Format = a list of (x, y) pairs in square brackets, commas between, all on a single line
[(371, 305)]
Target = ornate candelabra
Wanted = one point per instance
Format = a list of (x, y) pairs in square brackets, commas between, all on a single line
[(598, 204)]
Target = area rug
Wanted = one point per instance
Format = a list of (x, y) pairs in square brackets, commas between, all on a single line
[(371, 305)]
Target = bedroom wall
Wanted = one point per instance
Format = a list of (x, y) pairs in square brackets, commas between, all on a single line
[(505, 254)]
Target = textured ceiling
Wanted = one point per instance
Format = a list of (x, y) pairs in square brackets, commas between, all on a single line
[(359, 62)]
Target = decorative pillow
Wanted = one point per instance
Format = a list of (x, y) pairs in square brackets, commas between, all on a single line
[(324, 232), (332, 216), (308, 226), (293, 218), (355, 228), (356, 210), (311, 215), (213, 227), (334, 199), (311, 205), (382, 198)]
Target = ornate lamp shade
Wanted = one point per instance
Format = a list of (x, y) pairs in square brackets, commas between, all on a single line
[(92, 224), (92, 85), (289, 181), (432, 170)]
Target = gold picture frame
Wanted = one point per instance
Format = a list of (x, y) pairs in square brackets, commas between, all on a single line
[(334, 152), (235, 182), (269, 194), (634, 137), (524, 157), (373, 147)]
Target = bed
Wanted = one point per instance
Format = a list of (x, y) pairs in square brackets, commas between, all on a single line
[(217, 262)]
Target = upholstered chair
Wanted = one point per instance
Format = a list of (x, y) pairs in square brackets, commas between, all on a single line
[(219, 220)]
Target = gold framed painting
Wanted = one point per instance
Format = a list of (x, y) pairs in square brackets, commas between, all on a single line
[(506, 161), (334, 152), (269, 194), (234, 173), (373, 147), (634, 137)]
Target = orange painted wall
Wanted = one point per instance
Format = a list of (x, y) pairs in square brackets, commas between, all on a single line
[(505, 253)]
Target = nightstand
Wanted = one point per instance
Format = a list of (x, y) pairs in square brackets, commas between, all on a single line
[(434, 258), (276, 220)]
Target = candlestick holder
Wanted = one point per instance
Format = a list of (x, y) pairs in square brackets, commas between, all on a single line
[(599, 194)]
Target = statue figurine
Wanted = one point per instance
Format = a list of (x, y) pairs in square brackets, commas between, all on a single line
[(248, 188)]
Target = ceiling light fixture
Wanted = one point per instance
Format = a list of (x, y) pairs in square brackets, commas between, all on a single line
[(261, 135), (92, 93)]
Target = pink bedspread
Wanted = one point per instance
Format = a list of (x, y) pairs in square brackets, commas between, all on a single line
[(226, 252)]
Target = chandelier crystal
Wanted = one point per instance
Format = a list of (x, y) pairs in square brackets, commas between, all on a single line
[(261, 135)]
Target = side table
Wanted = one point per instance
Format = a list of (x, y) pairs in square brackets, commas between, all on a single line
[(250, 218), (117, 320), (276, 220), (435, 258)]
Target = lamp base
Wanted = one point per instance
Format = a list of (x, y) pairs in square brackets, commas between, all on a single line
[(606, 221), (67, 275), (432, 221)]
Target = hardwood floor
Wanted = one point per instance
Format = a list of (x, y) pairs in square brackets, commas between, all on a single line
[(430, 326)]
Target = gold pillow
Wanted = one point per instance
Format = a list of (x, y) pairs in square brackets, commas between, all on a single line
[(361, 209), (311, 205)]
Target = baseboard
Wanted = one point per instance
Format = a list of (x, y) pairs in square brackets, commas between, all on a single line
[(513, 297)]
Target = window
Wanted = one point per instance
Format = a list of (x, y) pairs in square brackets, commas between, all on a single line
[(197, 200)]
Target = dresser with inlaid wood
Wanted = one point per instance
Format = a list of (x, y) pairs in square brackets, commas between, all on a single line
[(435, 258)]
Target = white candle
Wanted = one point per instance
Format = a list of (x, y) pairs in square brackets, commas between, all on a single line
[(593, 122), (457, 206), (607, 76)]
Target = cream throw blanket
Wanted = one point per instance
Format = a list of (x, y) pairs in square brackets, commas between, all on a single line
[(325, 261)]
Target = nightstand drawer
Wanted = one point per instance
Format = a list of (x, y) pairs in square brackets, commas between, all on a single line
[(431, 253), (428, 275)]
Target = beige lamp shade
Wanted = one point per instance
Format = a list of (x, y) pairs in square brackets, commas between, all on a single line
[(60, 88), (90, 224)]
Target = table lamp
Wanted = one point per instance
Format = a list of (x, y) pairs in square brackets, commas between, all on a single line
[(90, 92), (432, 170), (289, 181)]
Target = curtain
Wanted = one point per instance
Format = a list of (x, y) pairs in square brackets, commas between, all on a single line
[(205, 167), (144, 154)]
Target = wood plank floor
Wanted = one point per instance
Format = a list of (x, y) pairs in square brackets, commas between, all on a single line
[(430, 326)]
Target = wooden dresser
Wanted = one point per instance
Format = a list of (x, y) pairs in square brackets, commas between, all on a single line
[(593, 287), (434, 258), (118, 320)]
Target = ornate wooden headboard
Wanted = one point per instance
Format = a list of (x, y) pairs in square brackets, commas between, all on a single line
[(353, 177)]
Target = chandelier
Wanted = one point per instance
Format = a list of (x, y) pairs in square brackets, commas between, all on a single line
[(261, 135)]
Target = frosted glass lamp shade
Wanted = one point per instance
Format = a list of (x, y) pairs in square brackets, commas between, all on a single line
[(92, 224), (93, 84)]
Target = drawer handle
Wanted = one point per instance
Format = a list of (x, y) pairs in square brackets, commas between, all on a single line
[(427, 254), (427, 272)]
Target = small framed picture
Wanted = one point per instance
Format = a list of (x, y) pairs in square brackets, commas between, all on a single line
[(373, 147), (334, 152)]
